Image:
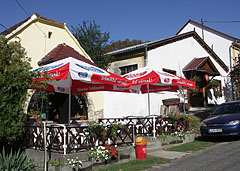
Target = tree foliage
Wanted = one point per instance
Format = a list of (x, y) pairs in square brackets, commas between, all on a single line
[(14, 79), (93, 41), (121, 44)]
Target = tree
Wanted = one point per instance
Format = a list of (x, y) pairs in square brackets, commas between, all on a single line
[(121, 44), (93, 41), (14, 80)]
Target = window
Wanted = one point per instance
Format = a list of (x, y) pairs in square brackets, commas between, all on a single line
[(127, 69), (217, 88), (49, 34), (169, 71)]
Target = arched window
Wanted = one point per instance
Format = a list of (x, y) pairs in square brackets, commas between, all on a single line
[(54, 106)]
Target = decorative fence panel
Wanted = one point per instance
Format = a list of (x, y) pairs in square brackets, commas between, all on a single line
[(148, 126), (72, 138)]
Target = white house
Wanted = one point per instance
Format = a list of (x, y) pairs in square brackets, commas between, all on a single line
[(225, 46), (183, 54)]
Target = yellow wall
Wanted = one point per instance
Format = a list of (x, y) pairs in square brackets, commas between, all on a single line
[(34, 38), (97, 99), (114, 67), (235, 54)]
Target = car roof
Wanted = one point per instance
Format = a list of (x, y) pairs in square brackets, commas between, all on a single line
[(231, 102)]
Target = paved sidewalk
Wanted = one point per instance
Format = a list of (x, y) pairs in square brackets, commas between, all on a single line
[(164, 153), (161, 150), (167, 154), (195, 110)]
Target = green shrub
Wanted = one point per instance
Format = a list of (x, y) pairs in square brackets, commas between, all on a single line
[(15, 161)]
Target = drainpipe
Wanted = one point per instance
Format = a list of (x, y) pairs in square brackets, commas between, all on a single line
[(145, 64), (145, 55), (202, 29), (230, 62)]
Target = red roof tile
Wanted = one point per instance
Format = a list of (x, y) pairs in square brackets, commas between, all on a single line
[(194, 64), (63, 51), (203, 64)]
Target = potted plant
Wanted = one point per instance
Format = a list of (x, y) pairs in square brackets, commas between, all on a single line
[(82, 117)]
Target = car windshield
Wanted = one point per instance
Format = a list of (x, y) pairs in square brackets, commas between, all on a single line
[(227, 108)]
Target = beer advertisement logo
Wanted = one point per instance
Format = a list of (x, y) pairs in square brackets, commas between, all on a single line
[(47, 68), (166, 80), (91, 68), (136, 75), (83, 74)]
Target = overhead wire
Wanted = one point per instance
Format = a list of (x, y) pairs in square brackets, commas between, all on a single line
[(44, 34), (30, 17), (234, 21)]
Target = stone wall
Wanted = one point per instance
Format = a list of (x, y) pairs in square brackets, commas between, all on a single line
[(92, 114)]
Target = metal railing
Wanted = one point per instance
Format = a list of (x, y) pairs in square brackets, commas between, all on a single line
[(65, 138)]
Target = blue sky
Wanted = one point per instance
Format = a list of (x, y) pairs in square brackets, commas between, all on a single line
[(134, 19)]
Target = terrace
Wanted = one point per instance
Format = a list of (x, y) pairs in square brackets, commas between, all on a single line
[(71, 138)]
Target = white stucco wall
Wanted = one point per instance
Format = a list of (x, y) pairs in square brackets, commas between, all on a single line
[(176, 56), (117, 105), (218, 42), (183, 53)]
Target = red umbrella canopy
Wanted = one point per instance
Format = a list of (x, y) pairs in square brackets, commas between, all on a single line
[(80, 77), (154, 80)]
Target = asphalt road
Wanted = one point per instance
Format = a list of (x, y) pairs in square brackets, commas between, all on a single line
[(222, 156)]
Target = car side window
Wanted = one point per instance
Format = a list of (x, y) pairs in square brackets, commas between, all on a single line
[(218, 110), (237, 108), (227, 108)]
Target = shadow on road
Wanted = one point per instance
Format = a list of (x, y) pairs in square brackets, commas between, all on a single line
[(218, 139)]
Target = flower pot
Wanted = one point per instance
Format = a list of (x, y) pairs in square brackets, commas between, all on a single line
[(76, 169)]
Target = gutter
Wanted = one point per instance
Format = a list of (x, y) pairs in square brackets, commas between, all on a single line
[(231, 68)]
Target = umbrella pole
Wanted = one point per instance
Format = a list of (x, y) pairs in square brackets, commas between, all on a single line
[(70, 98), (148, 100), (183, 95), (69, 105)]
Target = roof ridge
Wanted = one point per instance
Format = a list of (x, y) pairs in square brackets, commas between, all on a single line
[(62, 51), (209, 28), (15, 26), (203, 60)]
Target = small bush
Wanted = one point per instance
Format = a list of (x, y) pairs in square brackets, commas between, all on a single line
[(15, 161)]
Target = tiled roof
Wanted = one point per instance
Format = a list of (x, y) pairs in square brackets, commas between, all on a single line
[(63, 51), (11, 29), (194, 64), (203, 64), (158, 43)]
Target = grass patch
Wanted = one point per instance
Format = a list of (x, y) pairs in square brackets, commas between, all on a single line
[(162, 137), (140, 164), (195, 124), (192, 146), (196, 120)]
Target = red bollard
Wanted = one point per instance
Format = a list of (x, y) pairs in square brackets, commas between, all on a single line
[(141, 148)]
